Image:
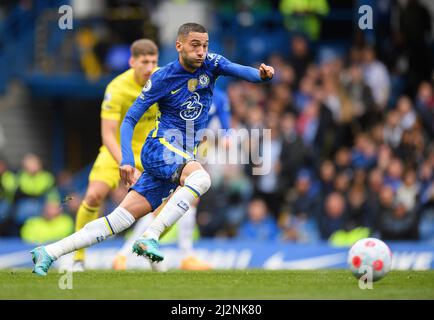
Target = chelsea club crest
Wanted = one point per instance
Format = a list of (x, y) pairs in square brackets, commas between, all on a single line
[(147, 86), (203, 80)]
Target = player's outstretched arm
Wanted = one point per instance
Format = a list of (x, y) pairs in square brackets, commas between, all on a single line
[(127, 128), (228, 68), (151, 93)]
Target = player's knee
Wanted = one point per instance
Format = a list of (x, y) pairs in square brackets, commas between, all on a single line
[(93, 198), (199, 180)]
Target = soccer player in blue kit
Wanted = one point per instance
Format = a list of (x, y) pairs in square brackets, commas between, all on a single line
[(220, 109), (183, 90)]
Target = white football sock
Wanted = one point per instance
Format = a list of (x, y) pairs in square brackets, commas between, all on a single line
[(93, 232), (186, 231), (138, 230), (196, 184)]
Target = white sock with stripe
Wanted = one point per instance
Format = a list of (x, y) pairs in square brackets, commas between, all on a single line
[(186, 231), (196, 184), (93, 232)]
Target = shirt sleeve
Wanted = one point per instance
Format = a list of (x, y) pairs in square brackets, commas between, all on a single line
[(225, 67), (151, 93), (111, 106)]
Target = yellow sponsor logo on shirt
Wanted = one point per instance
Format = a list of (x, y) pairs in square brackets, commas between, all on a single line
[(175, 91)]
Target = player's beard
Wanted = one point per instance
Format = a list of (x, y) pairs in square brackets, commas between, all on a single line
[(190, 63)]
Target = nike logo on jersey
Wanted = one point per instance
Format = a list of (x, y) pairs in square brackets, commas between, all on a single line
[(175, 91)]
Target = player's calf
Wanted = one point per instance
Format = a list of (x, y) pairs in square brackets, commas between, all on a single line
[(195, 185)]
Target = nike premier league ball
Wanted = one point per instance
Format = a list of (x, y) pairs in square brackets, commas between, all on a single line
[(370, 256)]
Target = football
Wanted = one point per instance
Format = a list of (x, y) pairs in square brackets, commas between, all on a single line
[(370, 255)]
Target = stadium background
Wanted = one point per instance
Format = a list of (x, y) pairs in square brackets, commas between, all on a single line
[(351, 113)]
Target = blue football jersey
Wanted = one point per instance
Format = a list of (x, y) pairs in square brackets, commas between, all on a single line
[(184, 99), (220, 108)]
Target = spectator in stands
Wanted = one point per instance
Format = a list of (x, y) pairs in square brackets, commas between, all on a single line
[(411, 148), (327, 176), (392, 129), (358, 209), (396, 222), (376, 77), (393, 177), (267, 185), (406, 113), (336, 96), (300, 56), (360, 177), (281, 100), (308, 124), (342, 181), (361, 96), (342, 159), (7, 189), (293, 152), (34, 187), (374, 187), (385, 155), (425, 106), (305, 198), (400, 225), (364, 153), (298, 228), (304, 16), (304, 94), (53, 225), (408, 191), (426, 222), (425, 178), (376, 131), (333, 217), (260, 225)]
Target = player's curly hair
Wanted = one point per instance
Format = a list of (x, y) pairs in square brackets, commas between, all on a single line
[(143, 47), (186, 28)]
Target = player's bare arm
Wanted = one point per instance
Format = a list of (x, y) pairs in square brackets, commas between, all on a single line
[(109, 129)]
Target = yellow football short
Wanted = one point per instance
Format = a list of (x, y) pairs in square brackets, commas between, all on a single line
[(106, 169)]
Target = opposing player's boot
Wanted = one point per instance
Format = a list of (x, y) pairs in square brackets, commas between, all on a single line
[(42, 261), (78, 266), (120, 262), (148, 248), (193, 263)]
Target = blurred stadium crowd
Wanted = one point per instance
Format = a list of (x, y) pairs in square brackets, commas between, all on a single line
[(352, 145)]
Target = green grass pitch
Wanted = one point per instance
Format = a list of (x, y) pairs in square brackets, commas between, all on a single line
[(234, 284)]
